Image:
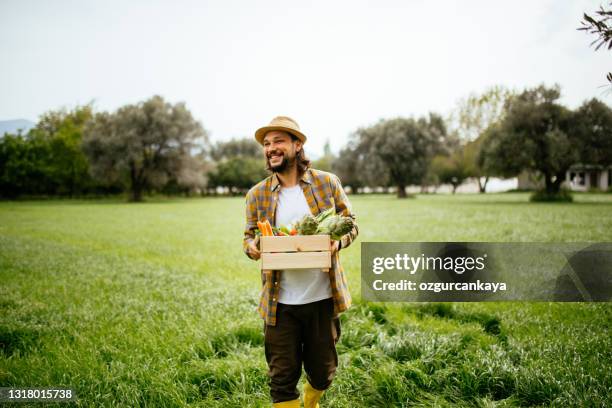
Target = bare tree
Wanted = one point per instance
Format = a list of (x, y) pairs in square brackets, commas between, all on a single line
[(472, 117)]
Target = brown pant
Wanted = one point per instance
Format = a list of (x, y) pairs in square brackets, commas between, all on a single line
[(303, 334)]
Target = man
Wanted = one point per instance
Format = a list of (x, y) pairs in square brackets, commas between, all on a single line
[(300, 308)]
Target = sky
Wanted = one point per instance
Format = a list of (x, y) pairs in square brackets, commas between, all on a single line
[(333, 66)]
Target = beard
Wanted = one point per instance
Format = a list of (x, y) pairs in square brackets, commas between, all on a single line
[(282, 166)]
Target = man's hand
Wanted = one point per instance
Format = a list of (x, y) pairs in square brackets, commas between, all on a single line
[(334, 247), (253, 251)]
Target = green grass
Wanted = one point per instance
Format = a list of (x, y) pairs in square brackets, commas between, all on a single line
[(154, 304)]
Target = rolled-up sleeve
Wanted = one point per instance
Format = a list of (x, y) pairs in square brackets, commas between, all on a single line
[(343, 207), (251, 222)]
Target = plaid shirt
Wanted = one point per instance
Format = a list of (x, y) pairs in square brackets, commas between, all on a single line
[(322, 191)]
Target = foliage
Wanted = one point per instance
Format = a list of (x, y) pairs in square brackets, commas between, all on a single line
[(563, 196), (191, 177), (350, 167), (356, 165), (470, 120), (62, 131), (478, 165), (453, 169), (245, 147), (325, 162), (20, 166), (601, 26), (144, 145), (48, 159), (534, 136), (399, 150), (592, 125), (238, 173), (239, 165), (474, 114)]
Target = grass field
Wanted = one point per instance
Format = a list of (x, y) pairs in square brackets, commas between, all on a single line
[(153, 304)]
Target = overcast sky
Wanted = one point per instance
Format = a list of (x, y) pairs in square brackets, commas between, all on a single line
[(331, 65)]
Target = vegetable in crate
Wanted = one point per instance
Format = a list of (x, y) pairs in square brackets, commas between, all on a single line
[(279, 232), (325, 214), (326, 223), (265, 228), (307, 225), (336, 226)]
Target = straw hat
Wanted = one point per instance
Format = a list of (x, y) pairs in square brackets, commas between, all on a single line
[(283, 123)]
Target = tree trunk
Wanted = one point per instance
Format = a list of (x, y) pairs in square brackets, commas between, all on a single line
[(136, 186), (136, 193), (454, 188), (558, 181), (550, 186), (401, 191), (482, 187), (72, 182)]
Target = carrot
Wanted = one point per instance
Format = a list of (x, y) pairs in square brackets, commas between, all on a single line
[(265, 228), (261, 228), (268, 227)]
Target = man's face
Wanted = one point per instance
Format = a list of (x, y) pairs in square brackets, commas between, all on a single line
[(280, 150)]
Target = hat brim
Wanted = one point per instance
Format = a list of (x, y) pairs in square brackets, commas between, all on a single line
[(261, 133)]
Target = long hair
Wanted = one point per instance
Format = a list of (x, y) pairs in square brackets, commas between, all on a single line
[(302, 162)]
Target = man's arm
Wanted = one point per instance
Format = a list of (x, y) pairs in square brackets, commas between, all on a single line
[(343, 207), (250, 242)]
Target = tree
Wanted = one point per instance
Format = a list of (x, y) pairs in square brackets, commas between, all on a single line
[(479, 165), (534, 135), (357, 166), (347, 166), (245, 147), (238, 173), (48, 159), (239, 164), (471, 118), (65, 165), (20, 166), (602, 27), (453, 169), (326, 161), (401, 148), (592, 125), (191, 176), (143, 145)]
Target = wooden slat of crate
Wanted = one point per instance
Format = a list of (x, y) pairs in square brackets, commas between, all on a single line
[(296, 260), (297, 243)]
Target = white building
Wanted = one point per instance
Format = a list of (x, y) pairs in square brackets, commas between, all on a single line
[(580, 177)]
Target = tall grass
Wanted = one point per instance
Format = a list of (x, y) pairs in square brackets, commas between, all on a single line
[(153, 304)]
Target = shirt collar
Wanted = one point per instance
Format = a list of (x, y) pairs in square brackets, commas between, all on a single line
[(306, 178)]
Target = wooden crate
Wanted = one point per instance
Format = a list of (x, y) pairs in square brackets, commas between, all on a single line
[(295, 252)]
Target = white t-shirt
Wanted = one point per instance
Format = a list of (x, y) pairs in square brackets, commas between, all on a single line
[(298, 286)]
